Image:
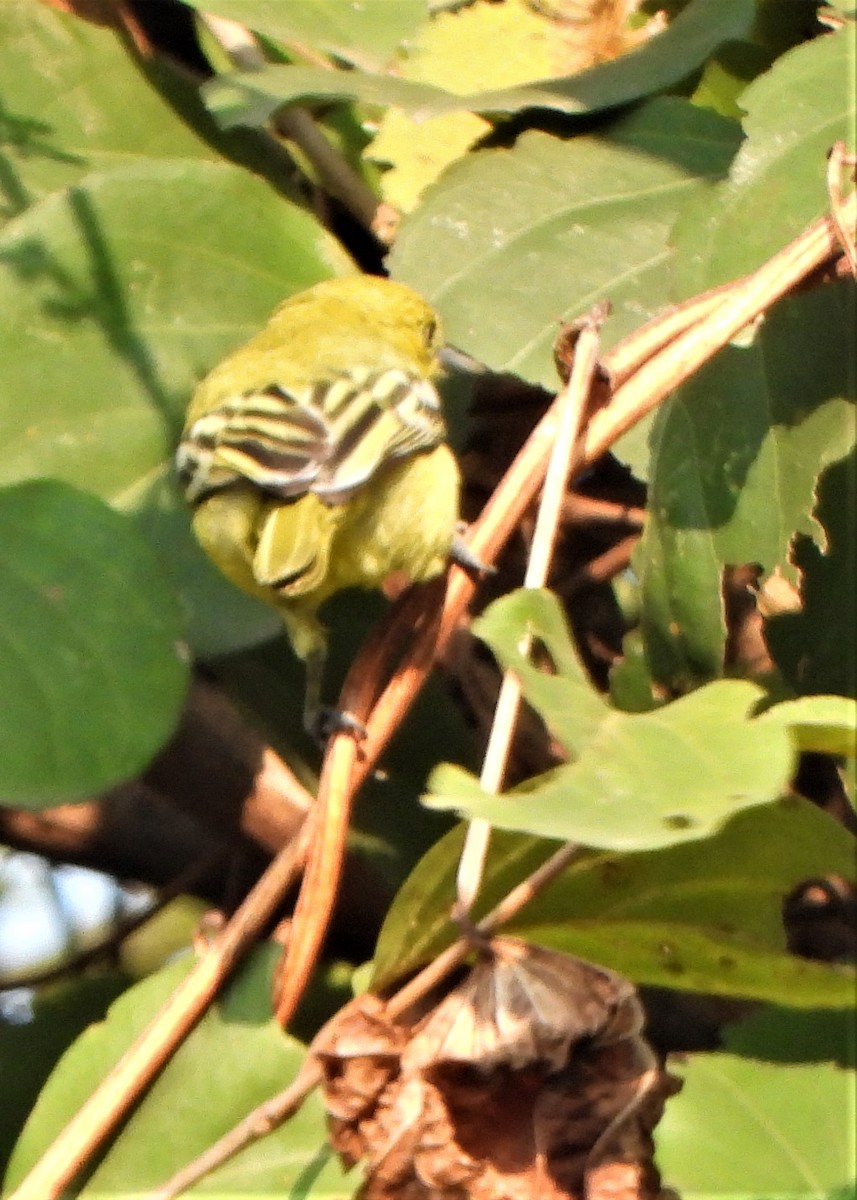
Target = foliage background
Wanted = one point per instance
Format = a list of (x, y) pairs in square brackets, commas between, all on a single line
[(149, 224)]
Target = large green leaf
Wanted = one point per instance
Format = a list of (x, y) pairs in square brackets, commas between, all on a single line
[(118, 294), (660, 63), (636, 780), (777, 1130), (736, 457), (235, 1058), (645, 779), (704, 916), (74, 98), (72, 101), (739, 450), (368, 32), (92, 669), (777, 183), (510, 242)]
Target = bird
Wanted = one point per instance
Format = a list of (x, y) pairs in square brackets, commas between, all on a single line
[(314, 457)]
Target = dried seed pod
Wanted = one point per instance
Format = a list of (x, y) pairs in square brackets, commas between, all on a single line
[(523, 1005)]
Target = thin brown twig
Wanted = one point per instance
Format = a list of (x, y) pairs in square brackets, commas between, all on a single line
[(571, 406), (297, 124), (592, 510), (602, 568), (263, 1120), (650, 339)]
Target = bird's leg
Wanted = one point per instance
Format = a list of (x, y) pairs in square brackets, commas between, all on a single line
[(313, 712)]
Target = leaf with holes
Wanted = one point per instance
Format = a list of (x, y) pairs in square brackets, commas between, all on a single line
[(702, 916)]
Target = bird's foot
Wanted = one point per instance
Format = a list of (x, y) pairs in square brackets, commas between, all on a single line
[(329, 721)]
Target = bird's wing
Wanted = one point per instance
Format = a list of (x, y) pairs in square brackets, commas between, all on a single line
[(374, 417), (329, 439), (267, 437)]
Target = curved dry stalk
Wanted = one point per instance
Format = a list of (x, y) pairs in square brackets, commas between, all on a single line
[(327, 829), (736, 306), (571, 405)]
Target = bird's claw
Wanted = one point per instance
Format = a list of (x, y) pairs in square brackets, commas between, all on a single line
[(463, 556)]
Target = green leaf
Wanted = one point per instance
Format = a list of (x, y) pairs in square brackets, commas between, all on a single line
[(511, 242), (486, 45), (780, 1033), (118, 295), (749, 1128), (567, 702), (682, 621), (726, 76), (91, 662), (704, 916), (776, 186), (29, 1048), (235, 1058), (660, 63), (50, 140), (816, 648), (645, 780), (547, 213), (736, 456), (74, 98), (367, 33), (823, 724), (631, 686)]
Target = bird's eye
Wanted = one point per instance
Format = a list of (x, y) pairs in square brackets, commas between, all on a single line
[(430, 332)]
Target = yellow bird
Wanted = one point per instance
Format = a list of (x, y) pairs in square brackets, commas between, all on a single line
[(314, 457)]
